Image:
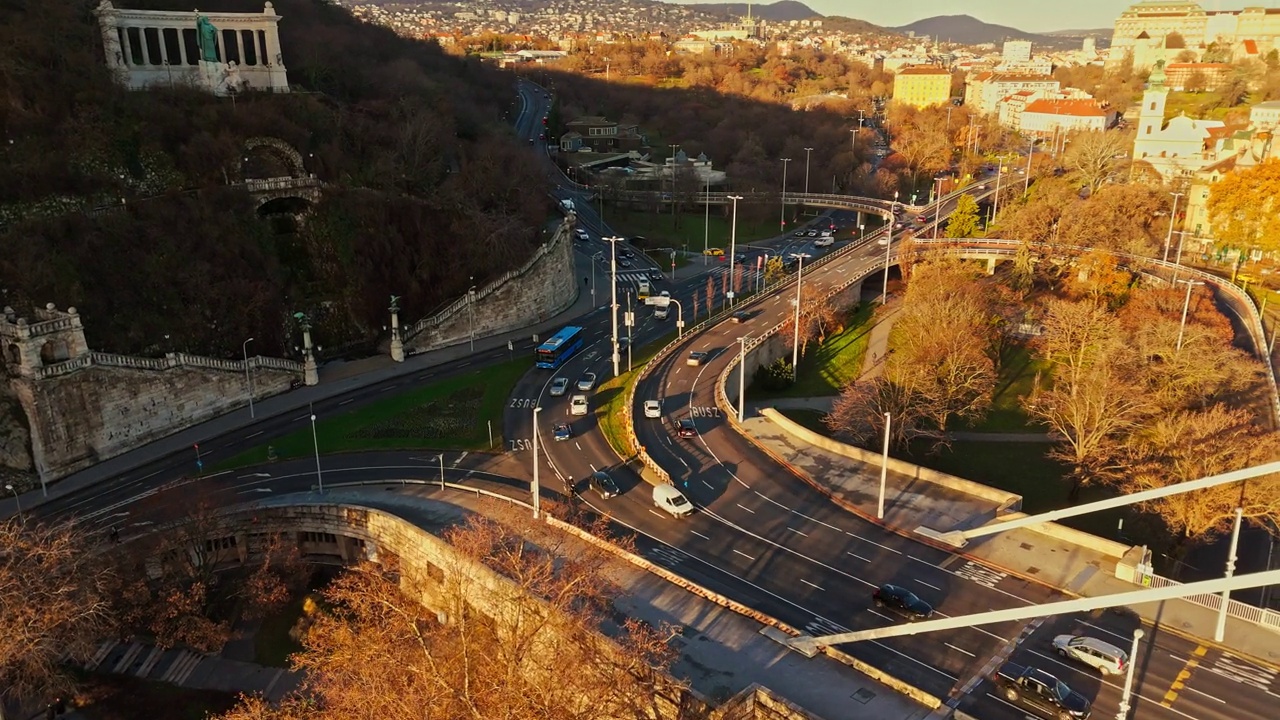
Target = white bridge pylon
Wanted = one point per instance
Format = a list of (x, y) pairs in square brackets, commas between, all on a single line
[(809, 645)]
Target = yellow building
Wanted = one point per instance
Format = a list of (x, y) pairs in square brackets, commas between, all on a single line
[(922, 86)]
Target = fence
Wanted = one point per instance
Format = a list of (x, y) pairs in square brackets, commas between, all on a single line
[(1259, 616), (171, 360)]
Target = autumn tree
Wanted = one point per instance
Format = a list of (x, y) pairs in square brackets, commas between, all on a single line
[(1188, 445), (963, 222), (54, 591), (774, 270), (1095, 158), (1244, 209), (523, 644)]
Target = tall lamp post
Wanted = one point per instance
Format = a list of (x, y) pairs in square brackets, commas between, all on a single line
[(742, 377), (1186, 305), (733, 245), (1177, 259), (613, 307), (248, 378), (706, 222), (937, 208), (806, 169), (884, 469), (1221, 628), (1123, 713), (795, 346), (1173, 219), (17, 499), (535, 488), (471, 316), (315, 441), (783, 217)]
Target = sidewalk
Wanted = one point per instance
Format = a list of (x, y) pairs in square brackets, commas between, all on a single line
[(721, 652), (912, 503), (336, 378)]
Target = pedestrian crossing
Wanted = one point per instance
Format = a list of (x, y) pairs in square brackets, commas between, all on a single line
[(142, 660)]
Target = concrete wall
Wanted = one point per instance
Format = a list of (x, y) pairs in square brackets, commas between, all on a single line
[(549, 285), (97, 412)]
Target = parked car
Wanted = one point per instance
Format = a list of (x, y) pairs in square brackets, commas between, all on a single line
[(603, 484), (686, 429), (559, 386), (652, 409), (901, 601), (578, 405), (1101, 656), (696, 358), (562, 431), (587, 382)]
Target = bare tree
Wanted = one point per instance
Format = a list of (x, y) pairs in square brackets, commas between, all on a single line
[(711, 295), (1096, 157), (53, 604), (524, 648), (860, 409)]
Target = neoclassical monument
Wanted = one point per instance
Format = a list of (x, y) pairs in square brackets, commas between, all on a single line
[(224, 53)]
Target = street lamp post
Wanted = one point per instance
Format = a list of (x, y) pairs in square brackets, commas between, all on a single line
[(1173, 218), (706, 222), (937, 208), (471, 316), (613, 308), (1186, 305), (248, 377), (795, 346), (783, 217), (1177, 259), (1221, 627), (733, 245), (1031, 151), (315, 441), (440, 457), (535, 488), (742, 377), (806, 169), (1123, 713), (16, 499), (595, 257), (884, 469)]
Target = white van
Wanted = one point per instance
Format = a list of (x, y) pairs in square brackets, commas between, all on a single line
[(671, 500), (643, 288)]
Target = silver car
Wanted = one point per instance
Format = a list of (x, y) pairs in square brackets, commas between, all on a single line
[(1101, 656), (559, 387)]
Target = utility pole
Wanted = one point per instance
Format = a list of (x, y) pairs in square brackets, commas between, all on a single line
[(806, 169), (733, 245), (1186, 305), (783, 224), (795, 347)]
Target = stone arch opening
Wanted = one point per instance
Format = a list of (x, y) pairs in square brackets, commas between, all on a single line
[(54, 351), (288, 205), (267, 157), (13, 354)]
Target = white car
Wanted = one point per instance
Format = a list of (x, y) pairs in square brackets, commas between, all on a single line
[(825, 241), (652, 409), (883, 242), (559, 387), (578, 405), (1101, 656)]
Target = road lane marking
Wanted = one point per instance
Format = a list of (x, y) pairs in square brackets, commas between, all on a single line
[(857, 556), (797, 532), (300, 417), (389, 387), (1180, 682), (704, 482), (695, 532), (806, 582), (953, 647), (744, 555), (833, 527), (873, 542), (246, 437), (348, 400), (935, 587), (886, 617), (775, 502), (744, 507)]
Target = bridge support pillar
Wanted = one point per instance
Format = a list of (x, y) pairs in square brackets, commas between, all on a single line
[(991, 266)]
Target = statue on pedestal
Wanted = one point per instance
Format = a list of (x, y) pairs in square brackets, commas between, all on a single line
[(397, 345)]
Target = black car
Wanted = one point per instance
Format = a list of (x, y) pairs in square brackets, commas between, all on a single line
[(623, 262), (686, 429), (741, 316), (902, 601), (563, 431), (656, 275), (604, 485)]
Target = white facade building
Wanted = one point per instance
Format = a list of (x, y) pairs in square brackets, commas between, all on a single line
[(1016, 51), (1176, 149), (223, 53)]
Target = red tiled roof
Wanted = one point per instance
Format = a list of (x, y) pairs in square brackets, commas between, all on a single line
[(1251, 46), (1198, 66), (1076, 108)]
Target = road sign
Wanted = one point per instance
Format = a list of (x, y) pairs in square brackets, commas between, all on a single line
[(729, 294)]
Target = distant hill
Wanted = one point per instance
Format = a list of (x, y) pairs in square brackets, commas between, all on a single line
[(1099, 33), (837, 23), (968, 30), (780, 11)]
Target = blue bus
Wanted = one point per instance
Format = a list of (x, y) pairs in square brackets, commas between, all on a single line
[(559, 347)]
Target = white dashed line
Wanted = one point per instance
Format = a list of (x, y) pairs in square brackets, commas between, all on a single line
[(797, 532), (695, 532), (806, 582), (744, 555), (833, 527), (857, 556), (935, 587), (348, 400), (953, 647), (744, 507)]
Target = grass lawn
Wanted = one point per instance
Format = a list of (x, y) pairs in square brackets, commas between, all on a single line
[(830, 366), (120, 697), (1014, 382), (448, 415), (659, 229), (611, 397), (272, 646)]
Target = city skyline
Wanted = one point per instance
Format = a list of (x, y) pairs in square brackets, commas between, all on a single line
[(1029, 15)]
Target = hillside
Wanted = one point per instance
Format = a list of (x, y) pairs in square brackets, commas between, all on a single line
[(967, 30), (837, 23), (781, 11), (410, 143)]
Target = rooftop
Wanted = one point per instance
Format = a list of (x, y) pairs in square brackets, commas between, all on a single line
[(1076, 108)]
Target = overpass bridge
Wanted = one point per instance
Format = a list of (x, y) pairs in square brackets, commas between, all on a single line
[(875, 206)]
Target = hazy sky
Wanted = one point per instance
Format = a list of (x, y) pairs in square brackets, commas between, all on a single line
[(1029, 15)]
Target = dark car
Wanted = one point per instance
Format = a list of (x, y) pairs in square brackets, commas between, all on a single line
[(798, 233), (740, 257), (686, 429), (623, 262), (812, 233), (656, 275), (741, 316), (563, 431), (1038, 692), (626, 254), (902, 601), (604, 485)]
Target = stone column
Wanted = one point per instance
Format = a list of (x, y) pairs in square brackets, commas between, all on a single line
[(397, 345), (310, 372)]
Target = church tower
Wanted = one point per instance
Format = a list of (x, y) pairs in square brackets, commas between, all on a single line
[(1151, 115)]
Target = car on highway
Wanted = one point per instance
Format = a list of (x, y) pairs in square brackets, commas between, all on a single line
[(668, 498), (812, 233), (883, 241), (686, 429), (562, 431), (798, 233), (655, 275), (587, 382), (626, 254), (828, 233), (1036, 691), (696, 358), (604, 485), (922, 218), (578, 405), (530, 141), (713, 252), (901, 601), (559, 386), (623, 262), (741, 316), (652, 409), (825, 241), (1101, 656), (582, 235)]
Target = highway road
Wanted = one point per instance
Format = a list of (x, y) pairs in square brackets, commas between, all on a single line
[(759, 536)]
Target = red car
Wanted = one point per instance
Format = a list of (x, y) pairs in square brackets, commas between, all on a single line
[(922, 219), (686, 429)]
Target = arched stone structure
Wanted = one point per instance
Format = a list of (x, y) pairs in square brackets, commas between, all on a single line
[(273, 151)]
